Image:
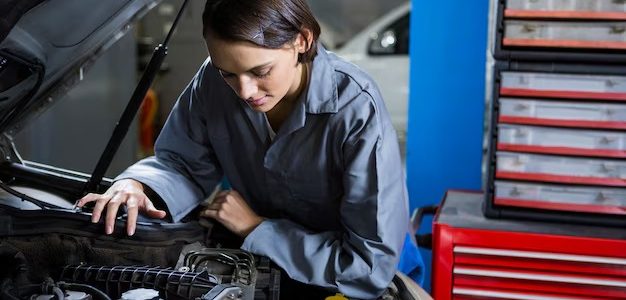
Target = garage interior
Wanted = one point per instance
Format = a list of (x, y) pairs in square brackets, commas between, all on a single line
[(510, 116)]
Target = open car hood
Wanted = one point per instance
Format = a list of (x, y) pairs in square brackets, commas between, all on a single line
[(49, 249), (46, 45)]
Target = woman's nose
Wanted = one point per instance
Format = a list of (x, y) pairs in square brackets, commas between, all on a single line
[(247, 87)]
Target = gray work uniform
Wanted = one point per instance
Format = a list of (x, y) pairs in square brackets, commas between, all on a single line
[(331, 183)]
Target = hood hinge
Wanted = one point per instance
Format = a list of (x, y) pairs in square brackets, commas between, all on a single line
[(8, 151)]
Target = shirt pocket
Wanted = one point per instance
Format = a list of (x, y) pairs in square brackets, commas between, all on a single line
[(316, 199), (313, 190)]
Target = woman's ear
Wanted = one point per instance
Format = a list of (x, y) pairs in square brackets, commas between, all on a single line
[(304, 40)]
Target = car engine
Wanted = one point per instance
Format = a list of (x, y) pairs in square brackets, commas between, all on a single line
[(58, 266), (58, 253)]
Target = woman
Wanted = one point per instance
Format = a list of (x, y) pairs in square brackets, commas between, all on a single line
[(302, 136)]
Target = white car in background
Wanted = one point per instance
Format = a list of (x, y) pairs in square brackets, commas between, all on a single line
[(382, 50)]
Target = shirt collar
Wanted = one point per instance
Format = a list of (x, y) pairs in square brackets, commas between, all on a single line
[(322, 90)]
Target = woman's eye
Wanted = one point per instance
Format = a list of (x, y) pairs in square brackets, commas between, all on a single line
[(262, 74), (226, 74)]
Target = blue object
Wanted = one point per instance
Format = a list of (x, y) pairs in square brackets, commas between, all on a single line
[(411, 262), (448, 42)]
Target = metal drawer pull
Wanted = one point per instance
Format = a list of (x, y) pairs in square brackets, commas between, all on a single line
[(541, 255), (540, 277), (507, 295)]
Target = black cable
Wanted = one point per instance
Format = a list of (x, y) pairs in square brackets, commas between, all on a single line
[(6, 287), (27, 290), (24, 197), (6, 295)]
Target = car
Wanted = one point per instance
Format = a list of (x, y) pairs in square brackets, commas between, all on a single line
[(48, 247), (382, 50)]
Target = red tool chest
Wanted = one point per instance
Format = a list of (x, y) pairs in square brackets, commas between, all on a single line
[(479, 258)]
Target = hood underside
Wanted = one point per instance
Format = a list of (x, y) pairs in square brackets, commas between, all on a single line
[(11, 11), (47, 46)]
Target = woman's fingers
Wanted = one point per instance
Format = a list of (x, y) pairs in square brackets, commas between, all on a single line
[(217, 202), (223, 193), (101, 202), (88, 198), (112, 208), (230, 209), (152, 212), (132, 206), (211, 213), (125, 192)]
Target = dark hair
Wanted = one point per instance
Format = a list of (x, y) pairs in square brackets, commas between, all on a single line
[(266, 23)]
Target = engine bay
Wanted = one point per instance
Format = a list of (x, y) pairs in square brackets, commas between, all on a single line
[(63, 266), (49, 249)]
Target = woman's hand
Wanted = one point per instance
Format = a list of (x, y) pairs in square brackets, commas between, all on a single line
[(233, 212), (126, 192)]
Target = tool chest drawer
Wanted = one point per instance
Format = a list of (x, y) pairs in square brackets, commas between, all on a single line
[(554, 30), (601, 35), (564, 86), (570, 9), (554, 140), (557, 143), (561, 197), (562, 113), (561, 169)]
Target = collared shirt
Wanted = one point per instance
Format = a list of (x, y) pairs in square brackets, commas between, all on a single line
[(330, 183), (270, 130)]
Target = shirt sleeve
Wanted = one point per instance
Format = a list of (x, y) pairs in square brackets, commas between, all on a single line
[(360, 260), (184, 169)]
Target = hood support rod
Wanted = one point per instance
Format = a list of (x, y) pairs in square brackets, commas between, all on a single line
[(122, 127)]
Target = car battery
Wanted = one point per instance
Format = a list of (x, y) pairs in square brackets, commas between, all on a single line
[(560, 30), (557, 144), (479, 258)]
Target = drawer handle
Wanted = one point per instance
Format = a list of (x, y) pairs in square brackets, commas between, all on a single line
[(521, 132), (605, 140), (527, 28), (617, 29), (608, 168), (519, 107)]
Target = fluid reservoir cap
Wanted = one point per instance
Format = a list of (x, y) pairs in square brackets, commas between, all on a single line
[(69, 295), (140, 294), (72, 295), (337, 297)]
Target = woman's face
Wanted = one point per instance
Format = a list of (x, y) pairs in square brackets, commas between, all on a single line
[(260, 76)]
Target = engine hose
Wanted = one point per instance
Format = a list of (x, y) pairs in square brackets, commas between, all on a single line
[(59, 293), (96, 293), (6, 288), (6, 295), (27, 290)]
